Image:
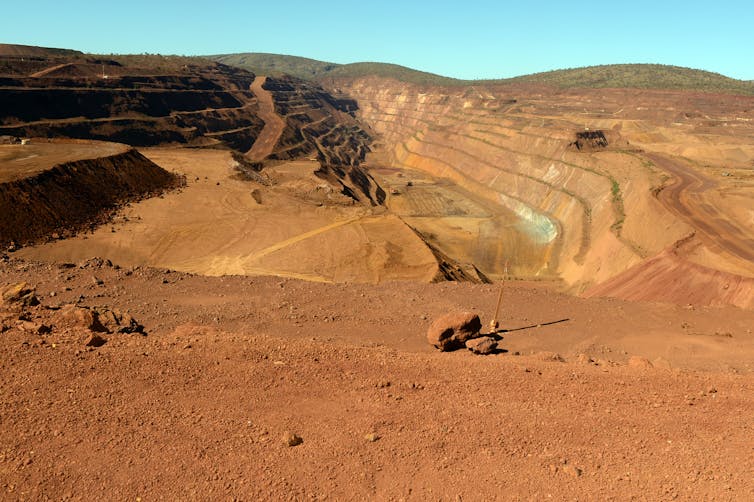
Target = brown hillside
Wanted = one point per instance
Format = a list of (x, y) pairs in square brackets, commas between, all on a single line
[(34, 51)]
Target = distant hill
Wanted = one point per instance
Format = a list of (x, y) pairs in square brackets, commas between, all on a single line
[(277, 64), (312, 69), (641, 76), (33, 51)]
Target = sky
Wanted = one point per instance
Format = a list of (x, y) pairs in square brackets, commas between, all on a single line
[(464, 39)]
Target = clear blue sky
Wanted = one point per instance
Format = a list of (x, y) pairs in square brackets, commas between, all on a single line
[(465, 39)]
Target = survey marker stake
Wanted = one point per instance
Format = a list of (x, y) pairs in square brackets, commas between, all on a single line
[(493, 323)]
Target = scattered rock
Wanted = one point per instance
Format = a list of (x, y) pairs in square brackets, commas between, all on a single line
[(372, 437), (95, 262), (257, 196), (34, 327), (115, 321), (584, 359), (72, 316), (662, 363), (639, 362), (483, 345), (94, 340), (572, 470), (291, 439), (101, 320), (452, 330), (20, 294), (550, 357)]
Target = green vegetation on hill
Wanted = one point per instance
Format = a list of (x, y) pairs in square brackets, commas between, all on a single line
[(311, 69), (156, 62), (275, 65), (641, 76), (386, 70)]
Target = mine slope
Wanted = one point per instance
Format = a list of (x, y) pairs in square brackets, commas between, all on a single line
[(284, 196), (95, 98), (492, 179), (588, 174)]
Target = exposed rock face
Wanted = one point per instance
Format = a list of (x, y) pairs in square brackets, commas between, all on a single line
[(20, 294), (590, 140), (452, 330), (207, 104), (483, 139), (317, 125)]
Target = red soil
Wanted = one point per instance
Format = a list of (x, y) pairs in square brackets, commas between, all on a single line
[(199, 407)]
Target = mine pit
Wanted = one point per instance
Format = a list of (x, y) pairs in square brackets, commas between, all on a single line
[(258, 288)]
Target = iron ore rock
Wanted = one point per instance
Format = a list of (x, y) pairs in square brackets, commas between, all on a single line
[(451, 331), (483, 345)]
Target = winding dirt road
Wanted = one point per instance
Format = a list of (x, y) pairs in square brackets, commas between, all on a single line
[(273, 124), (51, 69), (685, 198)]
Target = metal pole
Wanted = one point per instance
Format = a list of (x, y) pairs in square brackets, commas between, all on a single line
[(494, 325)]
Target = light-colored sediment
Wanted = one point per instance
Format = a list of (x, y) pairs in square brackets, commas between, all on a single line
[(214, 226)]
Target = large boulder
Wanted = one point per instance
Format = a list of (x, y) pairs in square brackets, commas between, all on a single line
[(451, 331)]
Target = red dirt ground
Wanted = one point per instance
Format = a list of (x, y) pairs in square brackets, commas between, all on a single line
[(198, 408)]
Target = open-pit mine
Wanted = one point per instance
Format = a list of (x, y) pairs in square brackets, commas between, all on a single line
[(639, 194), (197, 260)]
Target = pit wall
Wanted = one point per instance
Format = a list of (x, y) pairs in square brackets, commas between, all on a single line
[(491, 144), (218, 110)]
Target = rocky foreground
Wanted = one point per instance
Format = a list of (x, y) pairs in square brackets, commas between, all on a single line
[(262, 388)]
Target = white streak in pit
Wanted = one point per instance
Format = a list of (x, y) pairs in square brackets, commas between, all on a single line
[(538, 226)]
